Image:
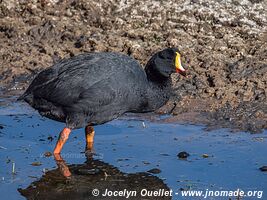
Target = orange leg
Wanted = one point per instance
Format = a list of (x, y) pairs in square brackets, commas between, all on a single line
[(89, 136), (63, 137), (63, 167)]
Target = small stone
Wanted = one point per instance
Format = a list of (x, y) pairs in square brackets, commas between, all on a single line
[(36, 164), (80, 42), (183, 155), (47, 154), (205, 155), (69, 13), (263, 168), (146, 163), (154, 171), (50, 138)]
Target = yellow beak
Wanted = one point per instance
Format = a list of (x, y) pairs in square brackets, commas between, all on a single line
[(178, 65)]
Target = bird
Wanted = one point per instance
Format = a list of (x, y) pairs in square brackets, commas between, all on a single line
[(93, 88)]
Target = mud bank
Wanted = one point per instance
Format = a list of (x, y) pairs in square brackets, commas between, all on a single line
[(223, 45)]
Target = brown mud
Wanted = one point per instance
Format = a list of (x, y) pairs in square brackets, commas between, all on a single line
[(223, 45)]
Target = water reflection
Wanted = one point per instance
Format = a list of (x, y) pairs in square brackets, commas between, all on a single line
[(77, 181)]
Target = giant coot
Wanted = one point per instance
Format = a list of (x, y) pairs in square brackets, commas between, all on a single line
[(94, 88)]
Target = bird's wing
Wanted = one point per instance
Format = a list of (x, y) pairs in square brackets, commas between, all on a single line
[(95, 97), (63, 82), (66, 90)]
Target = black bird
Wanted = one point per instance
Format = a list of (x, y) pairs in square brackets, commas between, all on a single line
[(94, 88)]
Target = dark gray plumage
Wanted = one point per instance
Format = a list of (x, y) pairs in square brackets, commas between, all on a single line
[(94, 88)]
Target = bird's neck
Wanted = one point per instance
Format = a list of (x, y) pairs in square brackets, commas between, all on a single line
[(159, 90)]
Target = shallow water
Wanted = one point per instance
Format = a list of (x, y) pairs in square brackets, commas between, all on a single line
[(133, 145)]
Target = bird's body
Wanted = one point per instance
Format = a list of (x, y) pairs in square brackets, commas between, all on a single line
[(94, 88)]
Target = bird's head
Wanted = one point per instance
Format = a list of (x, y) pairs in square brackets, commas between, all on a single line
[(166, 62)]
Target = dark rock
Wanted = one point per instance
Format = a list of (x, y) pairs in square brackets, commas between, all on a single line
[(80, 42), (50, 138), (154, 171), (183, 155), (263, 168)]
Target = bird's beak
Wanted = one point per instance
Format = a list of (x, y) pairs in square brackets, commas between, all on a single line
[(178, 66)]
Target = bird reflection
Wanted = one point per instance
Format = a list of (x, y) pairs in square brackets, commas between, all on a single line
[(63, 167), (77, 181)]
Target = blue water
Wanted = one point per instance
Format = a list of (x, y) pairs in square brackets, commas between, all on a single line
[(233, 162)]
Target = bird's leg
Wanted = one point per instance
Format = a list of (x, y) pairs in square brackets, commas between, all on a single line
[(62, 166), (89, 136), (63, 137)]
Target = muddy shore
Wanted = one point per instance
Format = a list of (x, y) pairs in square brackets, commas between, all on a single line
[(223, 46)]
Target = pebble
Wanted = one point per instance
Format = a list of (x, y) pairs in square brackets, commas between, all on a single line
[(154, 171), (47, 154), (205, 155), (183, 155), (50, 138), (263, 168), (36, 164)]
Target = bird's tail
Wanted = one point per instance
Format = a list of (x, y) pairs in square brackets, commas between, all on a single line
[(26, 97), (22, 97)]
